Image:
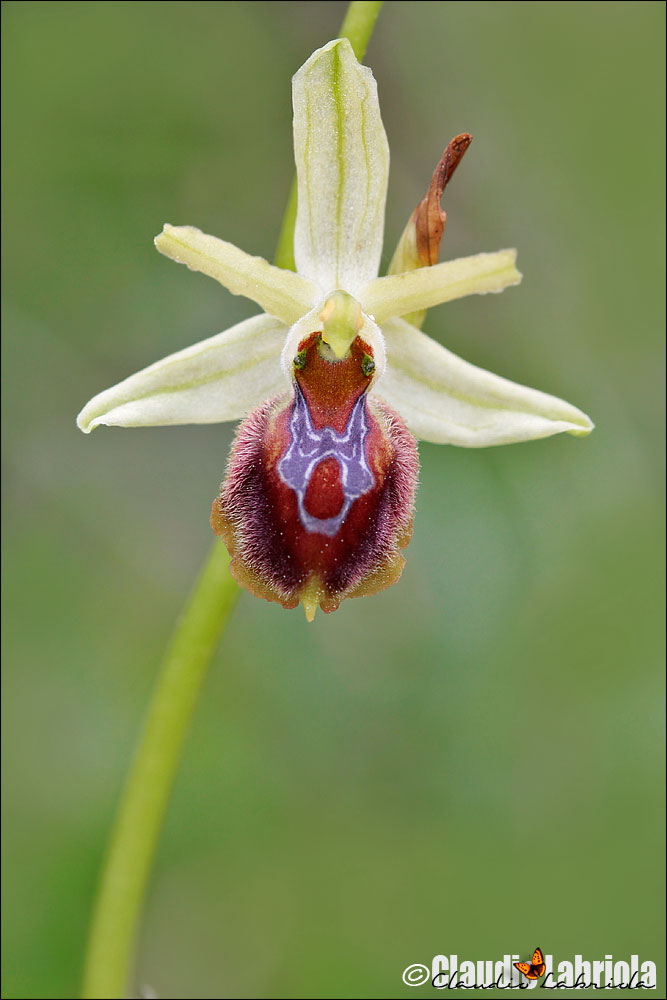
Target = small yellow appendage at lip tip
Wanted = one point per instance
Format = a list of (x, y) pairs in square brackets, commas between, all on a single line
[(310, 597)]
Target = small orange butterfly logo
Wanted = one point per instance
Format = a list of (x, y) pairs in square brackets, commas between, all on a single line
[(535, 968)]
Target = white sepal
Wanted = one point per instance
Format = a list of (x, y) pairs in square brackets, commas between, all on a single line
[(342, 164), (449, 401), (217, 379)]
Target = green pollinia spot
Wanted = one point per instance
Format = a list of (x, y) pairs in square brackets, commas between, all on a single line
[(300, 360)]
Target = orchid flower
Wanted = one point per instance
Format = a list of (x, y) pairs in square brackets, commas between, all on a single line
[(333, 382)]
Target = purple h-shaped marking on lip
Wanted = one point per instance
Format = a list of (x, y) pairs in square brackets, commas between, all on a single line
[(309, 447)]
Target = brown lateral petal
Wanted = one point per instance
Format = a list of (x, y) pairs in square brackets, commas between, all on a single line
[(429, 217)]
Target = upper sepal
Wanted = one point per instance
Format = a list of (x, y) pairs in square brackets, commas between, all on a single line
[(342, 165)]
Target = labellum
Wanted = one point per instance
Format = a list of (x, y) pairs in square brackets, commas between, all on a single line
[(319, 493)]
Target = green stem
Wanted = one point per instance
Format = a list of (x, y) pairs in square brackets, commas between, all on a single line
[(358, 24), (144, 799), (357, 27), (136, 830)]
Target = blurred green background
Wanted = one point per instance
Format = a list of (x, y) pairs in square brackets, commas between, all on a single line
[(468, 763)]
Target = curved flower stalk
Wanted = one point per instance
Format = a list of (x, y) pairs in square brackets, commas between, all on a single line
[(318, 499)]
